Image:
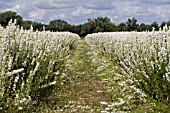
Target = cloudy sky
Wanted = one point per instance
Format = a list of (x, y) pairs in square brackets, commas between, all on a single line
[(77, 11)]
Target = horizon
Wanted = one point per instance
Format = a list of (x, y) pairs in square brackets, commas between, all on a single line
[(77, 11)]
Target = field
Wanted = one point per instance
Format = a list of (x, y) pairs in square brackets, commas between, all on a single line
[(49, 72)]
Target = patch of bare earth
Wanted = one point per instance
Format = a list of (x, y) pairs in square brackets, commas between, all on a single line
[(91, 92)]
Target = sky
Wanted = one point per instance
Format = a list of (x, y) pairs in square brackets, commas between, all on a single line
[(78, 11)]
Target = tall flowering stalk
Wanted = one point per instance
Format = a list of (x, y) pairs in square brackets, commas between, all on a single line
[(143, 57), (30, 62)]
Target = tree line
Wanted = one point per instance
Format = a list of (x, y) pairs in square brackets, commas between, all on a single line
[(93, 25)]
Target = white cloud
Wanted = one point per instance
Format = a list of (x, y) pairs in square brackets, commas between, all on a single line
[(77, 11), (99, 4), (82, 11), (36, 15), (16, 8), (58, 16), (52, 4)]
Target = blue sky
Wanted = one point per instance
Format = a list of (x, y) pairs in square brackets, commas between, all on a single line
[(77, 11)]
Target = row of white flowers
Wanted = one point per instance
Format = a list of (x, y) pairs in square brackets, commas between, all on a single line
[(143, 57), (30, 60)]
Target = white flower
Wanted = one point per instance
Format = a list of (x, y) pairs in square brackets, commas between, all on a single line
[(15, 72), (36, 68), (57, 73), (53, 83), (23, 100), (20, 108), (137, 91), (103, 103)]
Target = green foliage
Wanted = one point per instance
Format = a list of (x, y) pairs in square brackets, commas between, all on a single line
[(132, 24), (59, 25), (99, 24), (5, 17), (122, 27), (144, 27), (155, 25), (36, 26)]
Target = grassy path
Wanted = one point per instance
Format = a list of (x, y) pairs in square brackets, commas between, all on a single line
[(93, 87), (87, 87)]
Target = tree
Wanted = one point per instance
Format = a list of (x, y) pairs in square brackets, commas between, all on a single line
[(165, 23), (58, 25), (37, 26), (132, 24), (26, 24), (155, 25), (122, 27), (58, 22), (144, 27), (162, 24), (168, 23), (5, 17), (76, 29), (100, 24)]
